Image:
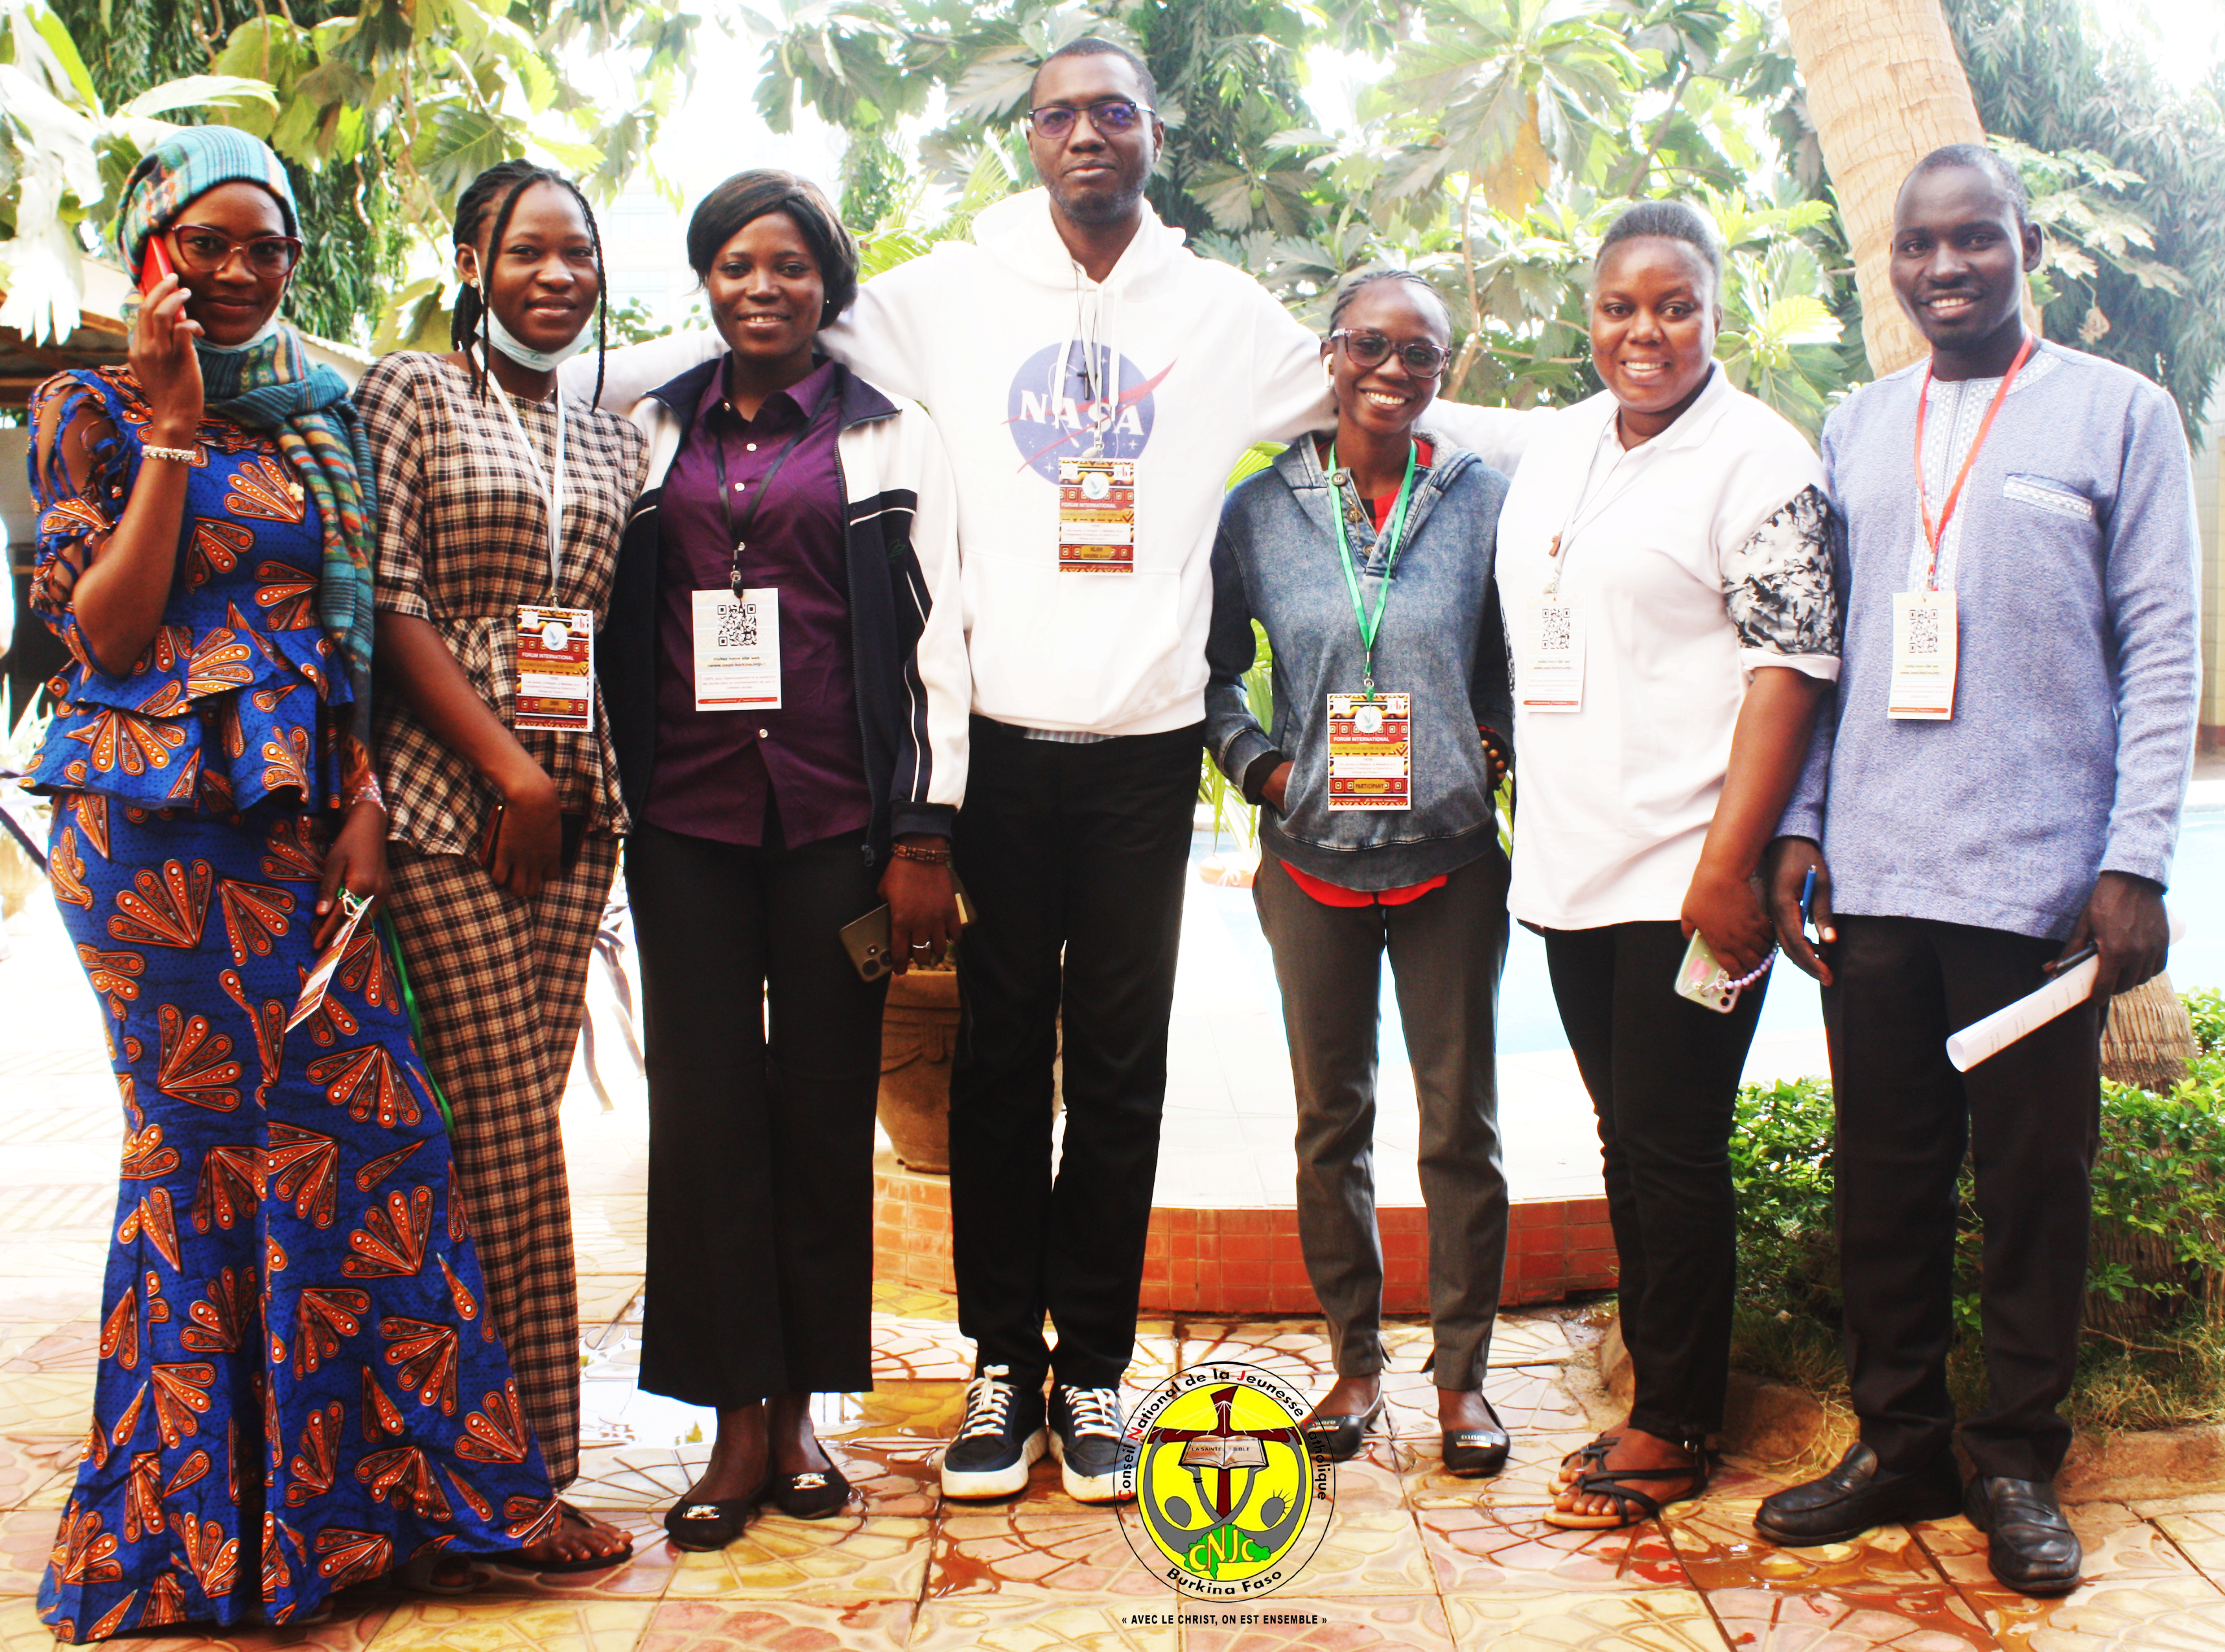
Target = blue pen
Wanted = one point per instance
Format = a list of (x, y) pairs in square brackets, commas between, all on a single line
[(1806, 899)]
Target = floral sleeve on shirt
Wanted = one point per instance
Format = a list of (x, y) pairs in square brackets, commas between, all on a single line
[(1779, 588)]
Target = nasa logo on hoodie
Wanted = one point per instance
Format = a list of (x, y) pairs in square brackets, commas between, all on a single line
[(1053, 415)]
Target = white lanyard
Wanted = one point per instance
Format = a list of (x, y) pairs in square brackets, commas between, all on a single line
[(1597, 500), (553, 495)]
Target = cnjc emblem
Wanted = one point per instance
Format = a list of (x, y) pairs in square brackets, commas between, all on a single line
[(1229, 1503)]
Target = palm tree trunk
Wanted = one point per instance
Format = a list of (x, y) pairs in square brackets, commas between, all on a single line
[(1884, 89)]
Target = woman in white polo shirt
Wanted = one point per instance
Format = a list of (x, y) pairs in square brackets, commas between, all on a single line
[(1663, 566)]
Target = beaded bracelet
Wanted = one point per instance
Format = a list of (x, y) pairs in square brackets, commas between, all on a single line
[(183, 456), (368, 793), (1752, 975), (924, 856)]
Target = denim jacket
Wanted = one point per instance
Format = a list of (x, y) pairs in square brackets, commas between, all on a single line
[(1442, 641)]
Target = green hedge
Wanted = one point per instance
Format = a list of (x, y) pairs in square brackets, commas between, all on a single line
[(2154, 1351)]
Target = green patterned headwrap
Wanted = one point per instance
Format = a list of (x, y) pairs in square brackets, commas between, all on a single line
[(272, 385)]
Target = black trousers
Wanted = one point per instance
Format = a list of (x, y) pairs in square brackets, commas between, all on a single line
[(760, 1152), (2029, 1119), (1662, 1073), (1075, 857)]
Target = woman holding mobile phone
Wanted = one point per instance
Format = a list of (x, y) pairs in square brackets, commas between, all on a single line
[(785, 668), (1664, 565), (295, 1390), (502, 510)]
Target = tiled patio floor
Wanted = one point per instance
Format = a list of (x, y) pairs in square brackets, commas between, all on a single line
[(1411, 1558)]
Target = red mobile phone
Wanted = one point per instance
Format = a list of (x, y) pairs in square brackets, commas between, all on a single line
[(154, 266)]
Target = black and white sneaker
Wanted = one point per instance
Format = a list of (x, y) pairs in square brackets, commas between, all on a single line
[(1085, 1438), (998, 1441)]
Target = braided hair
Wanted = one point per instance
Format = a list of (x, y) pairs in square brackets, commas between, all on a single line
[(1360, 283), (497, 191)]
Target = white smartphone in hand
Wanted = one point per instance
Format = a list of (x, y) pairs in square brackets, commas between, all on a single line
[(1702, 978)]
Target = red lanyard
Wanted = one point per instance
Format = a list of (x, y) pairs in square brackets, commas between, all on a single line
[(1934, 535)]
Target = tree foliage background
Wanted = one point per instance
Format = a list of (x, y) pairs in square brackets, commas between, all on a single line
[(1496, 138)]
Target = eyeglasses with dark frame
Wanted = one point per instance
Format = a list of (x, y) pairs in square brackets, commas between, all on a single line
[(205, 251), (1370, 349), (1110, 117)]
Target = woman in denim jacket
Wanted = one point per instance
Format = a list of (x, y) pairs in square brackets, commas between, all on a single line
[(1378, 836)]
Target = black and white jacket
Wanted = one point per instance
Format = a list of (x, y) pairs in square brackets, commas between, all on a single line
[(907, 626)]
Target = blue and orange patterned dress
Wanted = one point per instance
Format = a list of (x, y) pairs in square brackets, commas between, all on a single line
[(299, 1388)]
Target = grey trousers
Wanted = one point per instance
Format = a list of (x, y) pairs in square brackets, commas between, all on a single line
[(1446, 949)]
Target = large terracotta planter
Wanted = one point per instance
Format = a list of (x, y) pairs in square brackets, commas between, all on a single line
[(919, 1033)]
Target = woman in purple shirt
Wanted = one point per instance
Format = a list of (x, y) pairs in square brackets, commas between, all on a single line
[(785, 669)]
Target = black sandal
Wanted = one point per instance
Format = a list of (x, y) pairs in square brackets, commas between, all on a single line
[(1612, 1483), (702, 1525), (1585, 1459)]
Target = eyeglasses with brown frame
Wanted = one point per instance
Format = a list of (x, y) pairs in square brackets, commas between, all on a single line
[(1110, 117), (202, 251)]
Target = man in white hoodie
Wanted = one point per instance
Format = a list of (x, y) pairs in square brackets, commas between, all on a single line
[(1095, 382)]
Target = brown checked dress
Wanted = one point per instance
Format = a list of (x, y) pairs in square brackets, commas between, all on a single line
[(500, 980)]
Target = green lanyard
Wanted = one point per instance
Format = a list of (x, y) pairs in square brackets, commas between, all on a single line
[(1369, 627)]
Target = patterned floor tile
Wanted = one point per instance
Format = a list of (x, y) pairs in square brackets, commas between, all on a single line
[(1043, 1623), (1028, 1553), (1651, 1620), (605, 1297), (891, 1477), (22, 1631), (642, 1577), (2128, 1561), (25, 1537), (42, 1402), (357, 1616), (1715, 1538), (2200, 1535), (1293, 1349), (2155, 1615), (749, 1626), (1368, 1552), (825, 1562), (1477, 1551), (65, 1348), (496, 1623), (892, 1410), (1291, 1622), (919, 1349), (1526, 1482), (1533, 1398), (1918, 1618), (81, 1259), (641, 1478), (1373, 1482), (911, 1302), (64, 1212), (37, 1472)]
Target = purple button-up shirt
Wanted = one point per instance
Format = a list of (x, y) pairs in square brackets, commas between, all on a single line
[(718, 771)]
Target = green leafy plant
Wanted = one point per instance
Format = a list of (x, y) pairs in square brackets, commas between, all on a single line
[(2154, 1348)]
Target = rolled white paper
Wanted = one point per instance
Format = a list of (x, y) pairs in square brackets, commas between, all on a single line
[(1983, 1039)]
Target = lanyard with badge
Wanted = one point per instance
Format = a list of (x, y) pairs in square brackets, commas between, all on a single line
[(1926, 632), (1096, 495), (1550, 661), (737, 630), (1370, 747), (555, 688)]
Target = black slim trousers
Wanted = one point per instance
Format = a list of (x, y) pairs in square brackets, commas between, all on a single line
[(760, 1149), (2029, 1119), (1076, 856), (1662, 1073)]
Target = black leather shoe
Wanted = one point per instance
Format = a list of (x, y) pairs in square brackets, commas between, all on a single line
[(703, 1526), (1339, 1438), (1476, 1453), (1855, 1497), (813, 1495), (2032, 1547)]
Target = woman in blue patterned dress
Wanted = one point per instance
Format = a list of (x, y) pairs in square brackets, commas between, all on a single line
[(298, 1387)]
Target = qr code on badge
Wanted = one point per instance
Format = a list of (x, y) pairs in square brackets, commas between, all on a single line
[(738, 624), (1923, 631), (1555, 634)]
